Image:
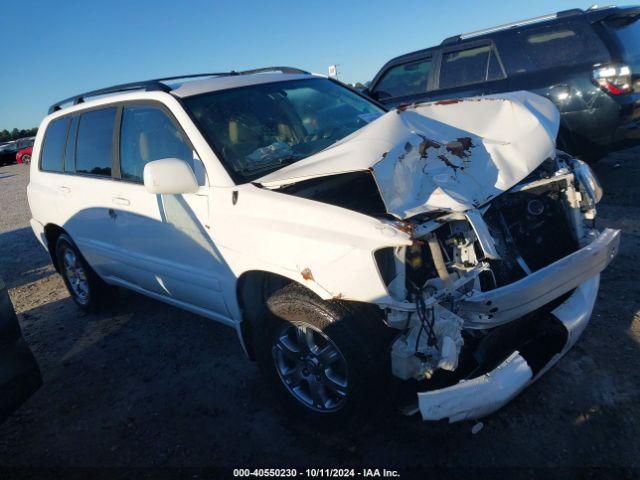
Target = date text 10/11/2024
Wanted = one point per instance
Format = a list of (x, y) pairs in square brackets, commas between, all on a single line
[(317, 472)]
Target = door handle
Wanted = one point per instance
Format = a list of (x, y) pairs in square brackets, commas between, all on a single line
[(121, 201), (63, 189)]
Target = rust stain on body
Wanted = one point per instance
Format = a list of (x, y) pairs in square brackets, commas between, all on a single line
[(425, 145), (451, 101), (461, 147), (306, 274), (448, 163)]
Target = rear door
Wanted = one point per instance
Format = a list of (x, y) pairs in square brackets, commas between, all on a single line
[(85, 189), (19, 373)]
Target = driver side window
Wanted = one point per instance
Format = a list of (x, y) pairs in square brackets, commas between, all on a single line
[(148, 134)]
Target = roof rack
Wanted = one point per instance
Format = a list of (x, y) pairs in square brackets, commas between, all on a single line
[(273, 69), (528, 21), (159, 85)]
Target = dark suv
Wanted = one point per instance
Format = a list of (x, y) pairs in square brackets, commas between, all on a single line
[(586, 62)]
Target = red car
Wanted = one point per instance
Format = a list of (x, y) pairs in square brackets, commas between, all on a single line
[(24, 155)]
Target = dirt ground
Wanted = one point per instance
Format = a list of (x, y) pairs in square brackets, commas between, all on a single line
[(147, 385)]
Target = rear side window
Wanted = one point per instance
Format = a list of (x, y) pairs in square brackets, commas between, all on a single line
[(627, 29), (562, 45), (95, 137), (407, 79), (54, 142), (148, 134), (472, 65)]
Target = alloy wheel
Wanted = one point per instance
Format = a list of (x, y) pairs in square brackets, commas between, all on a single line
[(76, 276), (311, 367)]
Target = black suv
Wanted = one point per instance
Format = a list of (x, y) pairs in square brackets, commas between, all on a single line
[(586, 62)]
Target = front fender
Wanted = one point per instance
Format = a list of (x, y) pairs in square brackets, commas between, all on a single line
[(326, 248)]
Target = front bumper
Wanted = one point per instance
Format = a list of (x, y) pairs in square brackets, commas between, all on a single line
[(483, 395), (505, 304)]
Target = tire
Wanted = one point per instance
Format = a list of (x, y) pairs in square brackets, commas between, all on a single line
[(328, 362), (88, 290)]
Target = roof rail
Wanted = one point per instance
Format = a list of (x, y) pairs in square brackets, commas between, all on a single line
[(158, 84), (519, 23), (273, 69), (147, 86)]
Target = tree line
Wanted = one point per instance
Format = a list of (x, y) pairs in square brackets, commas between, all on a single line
[(15, 134)]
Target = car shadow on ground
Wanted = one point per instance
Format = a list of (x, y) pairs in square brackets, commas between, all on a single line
[(23, 258)]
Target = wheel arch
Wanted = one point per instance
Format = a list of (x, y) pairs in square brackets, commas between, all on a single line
[(52, 232), (253, 288)]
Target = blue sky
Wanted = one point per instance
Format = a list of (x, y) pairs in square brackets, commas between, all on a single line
[(54, 49)]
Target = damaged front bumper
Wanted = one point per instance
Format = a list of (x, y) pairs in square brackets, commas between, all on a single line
[(480, 396), (502, 305)]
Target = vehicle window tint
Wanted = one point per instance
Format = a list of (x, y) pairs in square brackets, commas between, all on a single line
[(463, 67), (627, 29), (69, 156), (93, 147), (54, 139), (264, 127), (407, 79), (148, 134), (562, 45)]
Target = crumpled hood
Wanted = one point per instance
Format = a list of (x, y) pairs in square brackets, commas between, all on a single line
[(452, 155)]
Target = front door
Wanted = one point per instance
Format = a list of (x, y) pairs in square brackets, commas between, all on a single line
[(163, 240)]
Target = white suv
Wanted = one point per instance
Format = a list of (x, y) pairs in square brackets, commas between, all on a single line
[(446, 244)]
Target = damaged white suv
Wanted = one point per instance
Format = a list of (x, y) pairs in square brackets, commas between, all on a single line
[(448, 245)]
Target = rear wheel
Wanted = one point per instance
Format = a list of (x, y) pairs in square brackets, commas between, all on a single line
[(328, 361), (87, 289)]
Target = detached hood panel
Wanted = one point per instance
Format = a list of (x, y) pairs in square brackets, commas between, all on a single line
[(445, 156)]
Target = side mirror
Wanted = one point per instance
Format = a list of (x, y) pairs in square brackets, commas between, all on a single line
[(169, 176)]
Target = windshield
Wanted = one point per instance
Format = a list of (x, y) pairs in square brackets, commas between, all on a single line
[(261, 128)]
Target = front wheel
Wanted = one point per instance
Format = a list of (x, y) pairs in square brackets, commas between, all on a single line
[(329, 361)]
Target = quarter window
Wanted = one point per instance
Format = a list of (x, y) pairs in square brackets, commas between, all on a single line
[(148, 134), (407, 79), (54, 141), (473, 65), (95, 136), (562, 45)]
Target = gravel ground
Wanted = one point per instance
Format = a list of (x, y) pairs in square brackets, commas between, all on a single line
[(147, 385)]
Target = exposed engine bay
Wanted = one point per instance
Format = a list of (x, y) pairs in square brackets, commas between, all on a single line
[(539, 221)]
